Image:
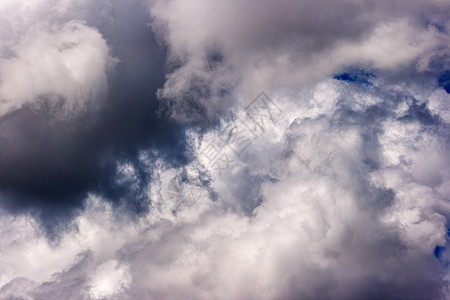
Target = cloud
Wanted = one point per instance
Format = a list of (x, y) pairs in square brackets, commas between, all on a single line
[(325, 205), (331, 184), (70, 64), (63, 63), (77, 92), (109, 279), (242, 47)]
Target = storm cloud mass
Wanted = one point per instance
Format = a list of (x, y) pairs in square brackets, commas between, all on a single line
[(229, 149)]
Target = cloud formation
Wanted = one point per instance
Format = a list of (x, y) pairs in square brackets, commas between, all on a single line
[(77, 90), (70, 64), (248, 46), (333, 183)]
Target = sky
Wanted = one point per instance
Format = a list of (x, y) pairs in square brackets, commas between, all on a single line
[(227, 149)]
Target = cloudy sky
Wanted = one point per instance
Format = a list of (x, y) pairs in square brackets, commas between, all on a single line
[(227, 149)]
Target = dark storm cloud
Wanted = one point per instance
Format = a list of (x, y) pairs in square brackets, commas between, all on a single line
[(49, 165)]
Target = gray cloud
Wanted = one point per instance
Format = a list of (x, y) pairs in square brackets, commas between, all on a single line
[(77, 95), (263, 45)]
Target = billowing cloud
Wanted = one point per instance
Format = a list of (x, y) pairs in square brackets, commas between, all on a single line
[(65, 66), (69, 64), (296, 150), (248, 46), (77, 99)]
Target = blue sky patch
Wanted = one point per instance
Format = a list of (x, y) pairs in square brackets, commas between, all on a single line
[(440, 252), (444, 81), (355, 76)]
